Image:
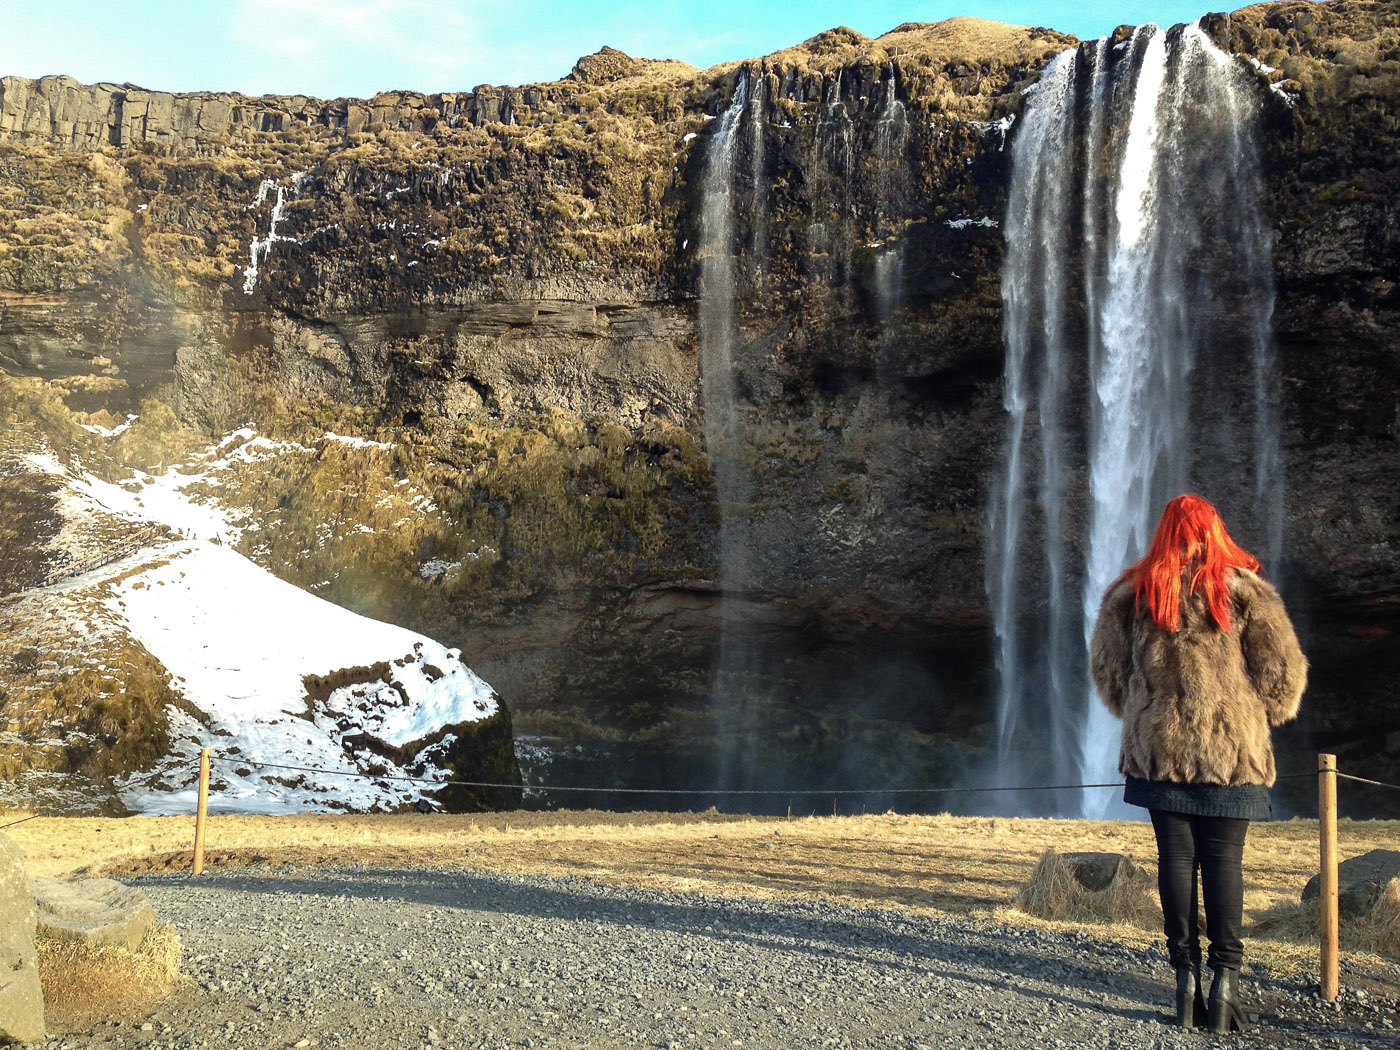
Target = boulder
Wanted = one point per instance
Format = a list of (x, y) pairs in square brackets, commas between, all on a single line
[(1360, 882), (93, 911), (1090, 887), (21, 998), (1098, 871)]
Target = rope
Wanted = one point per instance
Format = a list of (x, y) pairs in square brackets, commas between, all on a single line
[(150, 776), (665, 791), (1373, 783), (144, 780)]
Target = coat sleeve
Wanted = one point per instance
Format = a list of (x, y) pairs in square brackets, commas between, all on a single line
[(1111, 646), (1272, 656)]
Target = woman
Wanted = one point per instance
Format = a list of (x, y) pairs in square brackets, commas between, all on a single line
[(1197, 656)]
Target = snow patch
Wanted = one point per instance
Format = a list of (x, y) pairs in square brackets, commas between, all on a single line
[(357, 442), (97, 428), (239, 642)]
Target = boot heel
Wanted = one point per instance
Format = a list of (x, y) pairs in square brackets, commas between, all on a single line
[(1225, 1014), (1190, 1003)]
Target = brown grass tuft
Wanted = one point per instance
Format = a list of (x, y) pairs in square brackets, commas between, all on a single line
[(1052, 892), (1379, 931), (85, 982)]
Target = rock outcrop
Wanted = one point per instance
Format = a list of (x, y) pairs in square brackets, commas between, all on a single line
[(21, 998), (59, 110)]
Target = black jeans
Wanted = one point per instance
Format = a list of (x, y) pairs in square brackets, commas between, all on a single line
[(1215, 847)]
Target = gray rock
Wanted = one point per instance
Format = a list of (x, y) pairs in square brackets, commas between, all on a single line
[(1098, 871), (21, 998), (1360, 881), (94, 911)]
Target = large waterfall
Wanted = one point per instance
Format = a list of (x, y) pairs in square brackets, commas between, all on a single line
[(1138, 300)]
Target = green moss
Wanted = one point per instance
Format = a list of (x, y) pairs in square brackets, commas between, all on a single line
[(1338, 193)]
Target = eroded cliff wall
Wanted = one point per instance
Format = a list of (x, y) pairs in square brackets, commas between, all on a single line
[(505, 284)]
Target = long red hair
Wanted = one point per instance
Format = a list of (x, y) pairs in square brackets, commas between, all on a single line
[(1191, 538)]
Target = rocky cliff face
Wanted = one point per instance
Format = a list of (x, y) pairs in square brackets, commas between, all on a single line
[(506, 285), (1332, 182)]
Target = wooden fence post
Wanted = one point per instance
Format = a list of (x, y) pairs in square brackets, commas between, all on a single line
[(203, 812), (1327, 873)]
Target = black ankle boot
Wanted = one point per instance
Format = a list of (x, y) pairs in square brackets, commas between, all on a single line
[(1190, 1002), (1226, 1014)]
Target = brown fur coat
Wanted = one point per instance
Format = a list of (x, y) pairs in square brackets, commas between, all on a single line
[(1197, 703)]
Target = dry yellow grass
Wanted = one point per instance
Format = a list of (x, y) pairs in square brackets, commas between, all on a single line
[(929, 864), (83, 982), (1053, 892), (1381, 932)]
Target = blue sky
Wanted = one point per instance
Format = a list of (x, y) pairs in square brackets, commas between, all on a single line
[(330, 48)]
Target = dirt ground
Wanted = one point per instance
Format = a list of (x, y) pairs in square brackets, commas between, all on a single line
[(940, 864)]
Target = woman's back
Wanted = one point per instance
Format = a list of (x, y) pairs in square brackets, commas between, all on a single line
[(1197, 702)]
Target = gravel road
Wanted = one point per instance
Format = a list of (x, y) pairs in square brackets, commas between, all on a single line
[(438, 958)]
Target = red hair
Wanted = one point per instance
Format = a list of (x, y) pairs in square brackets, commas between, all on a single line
[(1191, 537)]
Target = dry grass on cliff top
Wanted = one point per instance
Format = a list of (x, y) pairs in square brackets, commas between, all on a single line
[(968, 866), (955, 40)]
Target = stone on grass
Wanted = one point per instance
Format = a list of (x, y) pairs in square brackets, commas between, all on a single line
[(1360, 882), (1090, 887), (93, 911), (21, 998)]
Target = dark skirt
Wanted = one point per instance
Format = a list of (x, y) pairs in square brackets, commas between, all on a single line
[(1240, 801)]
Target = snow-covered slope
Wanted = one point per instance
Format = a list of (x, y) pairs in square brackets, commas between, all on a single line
[(239, 644), (269, 674)]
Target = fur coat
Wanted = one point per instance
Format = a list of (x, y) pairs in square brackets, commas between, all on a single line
[(1197, 703)]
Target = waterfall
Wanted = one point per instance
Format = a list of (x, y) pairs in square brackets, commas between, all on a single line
[(723, 427), (1136, 251), (891, 134), (261, 248), (718, 327), (1033, 290), (758, 179)]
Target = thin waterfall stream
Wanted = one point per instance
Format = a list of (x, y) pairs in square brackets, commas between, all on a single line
[(723, 426)]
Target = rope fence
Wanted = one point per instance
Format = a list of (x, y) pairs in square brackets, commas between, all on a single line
[(1327, 777), (779, 792), (826, 792), (1363, 780), (134, 783)]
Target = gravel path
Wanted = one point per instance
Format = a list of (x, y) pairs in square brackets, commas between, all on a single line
[(436, 958)]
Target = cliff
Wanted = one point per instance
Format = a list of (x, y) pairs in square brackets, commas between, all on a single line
[(507, 286)]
